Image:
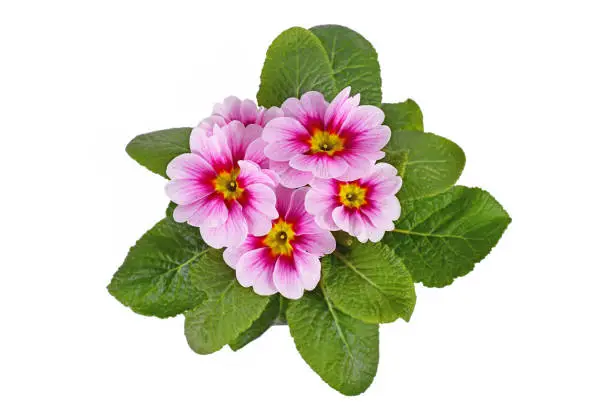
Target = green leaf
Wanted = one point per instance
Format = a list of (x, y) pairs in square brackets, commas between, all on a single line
[(354, 61), (441, 238), (370, 283), (296, 62), (340, 348), (170, 209), (229, 309), (403, 115), (156, 149), (259, 326), (430, 164), (154, 278)]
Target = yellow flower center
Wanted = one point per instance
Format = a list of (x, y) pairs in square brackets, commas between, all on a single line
[(352, 195), (325, 142), (279, 238), (226, 184)]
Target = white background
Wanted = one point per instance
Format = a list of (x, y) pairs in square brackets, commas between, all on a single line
[(523, 86)]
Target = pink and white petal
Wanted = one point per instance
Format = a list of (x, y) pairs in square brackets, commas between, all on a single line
[(283, 200), (326, 186), (189, 166), (285, 150), (370, 141), (272, 113), (287, 278), (259, 224), (229, 109), (212, 213), (217, 151), (290, 177), (325, 221), (317, 202), (256, 268), (319, 244), (262, 198), (321, 165), (362, 119), (250, 173), (185, 191), (272, 175), (339, 109), (296, 209), (373, 155), (284, 129), (376, 235), (382, 187), (232, 255), (255, 152), (197, 137), (308, 267), (359, 166), (309, 110), (231, 233), (248, 112), (349, 221), (382, 213)]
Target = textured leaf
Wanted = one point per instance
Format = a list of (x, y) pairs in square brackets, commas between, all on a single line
[(340, 348), (441, 238), (156, 149), (154, 278), (370, 283), (296, 62), (354, 61), (403, 115), (259, 326), (228, 310), (431, 164)]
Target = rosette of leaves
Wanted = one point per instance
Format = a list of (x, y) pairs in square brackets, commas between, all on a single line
[(443, 232)]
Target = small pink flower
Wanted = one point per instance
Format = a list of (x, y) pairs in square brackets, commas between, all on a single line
[(316, 139), (365, 208), (286, 260), (231, 109), (221, 188)]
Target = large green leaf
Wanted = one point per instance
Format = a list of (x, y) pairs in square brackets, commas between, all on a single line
[(430, 164), (259, 326), (354, 61), (441, 238), (370, 283), (403, 115), (296, 62), (228, 310), (156, 149), (340, 348), (154, 278)]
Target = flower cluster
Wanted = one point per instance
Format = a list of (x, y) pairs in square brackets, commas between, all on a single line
[(270, 185)]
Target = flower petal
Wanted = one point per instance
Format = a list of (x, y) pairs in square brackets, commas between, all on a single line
[(208, 212), (185, 191), (321, 165), (287, 278), (290, 177), (256, 268), (262, 198), (217, 151), (268, 114), (250, 173), (370, 141), (255, 152), (231, 233), (359, 167), (308, 267), (339, 109), (362, 119), (309, 110), (319, 244), (232, 254), (286, 138), (189, 166), (349, 221), (240, 137)]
